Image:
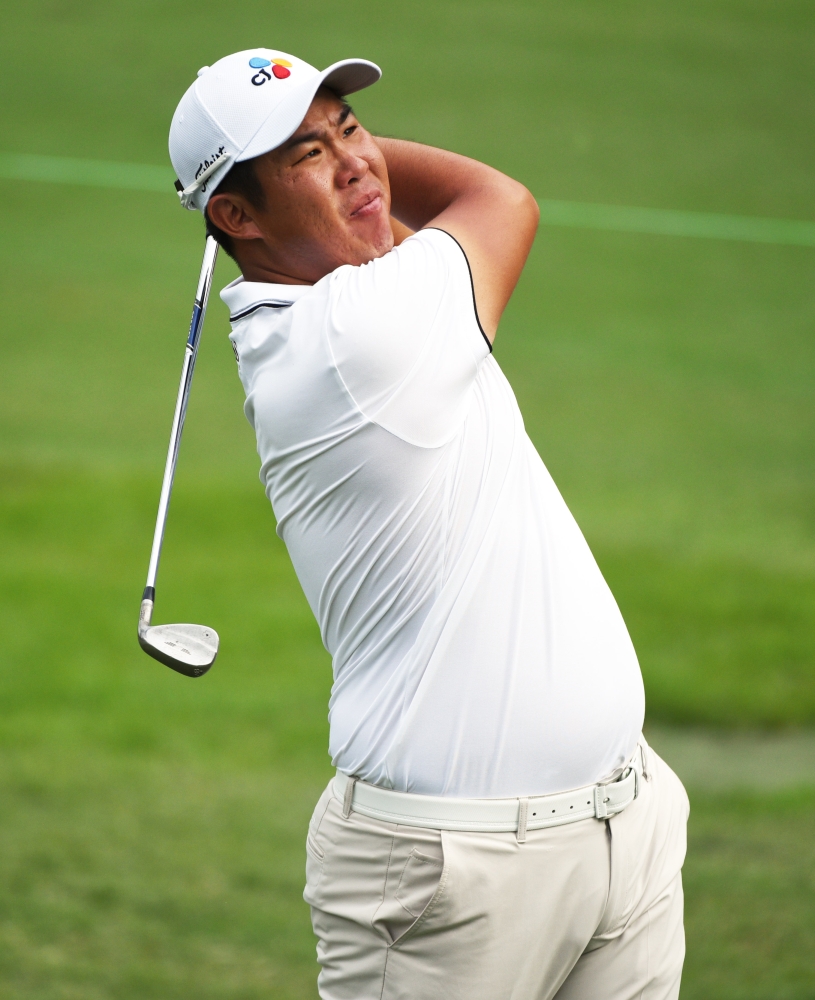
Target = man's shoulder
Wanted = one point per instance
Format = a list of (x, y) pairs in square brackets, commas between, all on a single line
[(424, 269), (418, 262)]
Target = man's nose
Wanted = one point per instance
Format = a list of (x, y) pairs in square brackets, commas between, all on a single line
[(350, 167)]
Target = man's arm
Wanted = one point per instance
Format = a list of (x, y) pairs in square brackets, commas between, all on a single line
[(493, 217), (400, 231)]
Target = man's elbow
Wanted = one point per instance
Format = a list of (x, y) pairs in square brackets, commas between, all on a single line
[(523, 210), (521, 204), (529, 207), (533, 208)]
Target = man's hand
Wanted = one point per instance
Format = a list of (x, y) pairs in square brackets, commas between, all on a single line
[(493, 217)]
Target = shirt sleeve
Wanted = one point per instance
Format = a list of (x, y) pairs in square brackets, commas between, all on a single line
[(405, 337)]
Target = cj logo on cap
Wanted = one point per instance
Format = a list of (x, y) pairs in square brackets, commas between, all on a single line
[(281, 68)]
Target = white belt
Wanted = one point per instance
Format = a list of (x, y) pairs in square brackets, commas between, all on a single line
[(489, 815)]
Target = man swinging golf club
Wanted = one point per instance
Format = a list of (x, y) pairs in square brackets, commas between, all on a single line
[(497, 827)]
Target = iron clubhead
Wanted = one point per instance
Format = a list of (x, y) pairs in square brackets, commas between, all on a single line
[(189, 649)]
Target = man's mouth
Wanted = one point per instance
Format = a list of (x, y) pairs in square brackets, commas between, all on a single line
[(371, 205)]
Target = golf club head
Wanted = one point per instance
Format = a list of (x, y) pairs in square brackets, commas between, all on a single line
[(189, 649)]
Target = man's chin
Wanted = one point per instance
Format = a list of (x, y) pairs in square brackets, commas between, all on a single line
[(370, 246)]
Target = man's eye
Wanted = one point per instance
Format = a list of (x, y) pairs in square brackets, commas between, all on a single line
[(349, 130)]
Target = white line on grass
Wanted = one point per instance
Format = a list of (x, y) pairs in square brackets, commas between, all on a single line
[(94, 173), (578, 214), (669, 222)]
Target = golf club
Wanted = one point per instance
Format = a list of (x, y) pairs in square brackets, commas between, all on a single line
[(189, 649)]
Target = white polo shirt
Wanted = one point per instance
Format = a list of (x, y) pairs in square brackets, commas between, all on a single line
[(477, 650)]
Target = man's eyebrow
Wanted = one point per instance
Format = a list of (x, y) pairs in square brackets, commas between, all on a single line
[(298, 140)]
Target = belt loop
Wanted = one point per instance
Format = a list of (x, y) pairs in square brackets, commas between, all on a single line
[(348, 798), (643, 747), (600, 800), (523, 812)]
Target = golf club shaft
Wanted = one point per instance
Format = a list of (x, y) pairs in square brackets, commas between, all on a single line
[(199, 312)]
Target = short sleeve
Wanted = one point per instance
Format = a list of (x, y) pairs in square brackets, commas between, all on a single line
[(405, 338)]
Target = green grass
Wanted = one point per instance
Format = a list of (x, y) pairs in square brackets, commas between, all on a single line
[(750, 897), (177, 880), (151, 841), (166, 881), (669, 387)]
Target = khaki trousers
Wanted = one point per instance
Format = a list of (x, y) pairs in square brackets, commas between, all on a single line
[(587, 911)]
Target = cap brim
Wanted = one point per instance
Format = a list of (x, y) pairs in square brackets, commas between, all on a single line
[(345, 77), (350, 75)]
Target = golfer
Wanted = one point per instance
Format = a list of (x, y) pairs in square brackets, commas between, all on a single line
[(497, 828)]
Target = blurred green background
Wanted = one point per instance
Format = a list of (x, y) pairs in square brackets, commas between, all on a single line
[(152, 828)]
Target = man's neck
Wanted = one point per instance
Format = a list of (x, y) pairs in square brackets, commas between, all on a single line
[(258, 264), (254, 272)]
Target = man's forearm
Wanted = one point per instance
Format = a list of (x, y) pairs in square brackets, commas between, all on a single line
[(425, 181)]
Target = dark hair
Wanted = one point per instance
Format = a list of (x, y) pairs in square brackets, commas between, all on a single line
[(240, 179)]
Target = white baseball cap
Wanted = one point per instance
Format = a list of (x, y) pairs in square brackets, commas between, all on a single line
[(244, 105)]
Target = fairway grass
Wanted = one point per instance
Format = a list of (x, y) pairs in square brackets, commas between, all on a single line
[(124, 879), (131, 870), (750, 897), (152, 833), (152, 844), (680, 432)]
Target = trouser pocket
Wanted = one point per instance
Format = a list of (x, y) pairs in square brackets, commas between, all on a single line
[(315, 853), (412, 880), (418, 882), (315, 859)]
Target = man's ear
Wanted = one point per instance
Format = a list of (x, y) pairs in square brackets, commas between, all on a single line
[(232, 214)]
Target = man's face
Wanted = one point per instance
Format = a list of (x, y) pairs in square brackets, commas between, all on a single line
[(327, 196)]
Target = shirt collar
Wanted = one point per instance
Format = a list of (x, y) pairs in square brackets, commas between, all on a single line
[(240, 295)]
